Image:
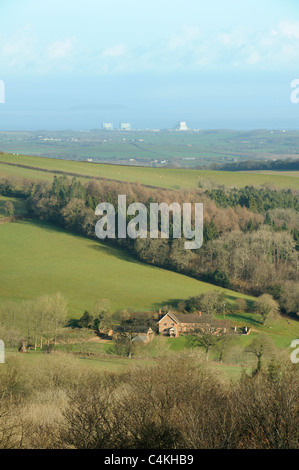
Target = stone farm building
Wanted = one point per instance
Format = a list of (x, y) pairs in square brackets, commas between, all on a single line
[(176, 324)]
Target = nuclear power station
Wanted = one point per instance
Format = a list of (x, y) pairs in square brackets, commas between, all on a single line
[(181, 126)]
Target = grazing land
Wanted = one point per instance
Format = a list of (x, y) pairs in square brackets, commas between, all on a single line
[(37, 258), (157, 148), (39, 168)]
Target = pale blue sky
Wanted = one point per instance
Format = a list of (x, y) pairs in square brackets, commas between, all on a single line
[(75, 64)]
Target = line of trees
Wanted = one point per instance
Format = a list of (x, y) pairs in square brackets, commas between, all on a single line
[(251, 165), (255, 199), (33, 323)]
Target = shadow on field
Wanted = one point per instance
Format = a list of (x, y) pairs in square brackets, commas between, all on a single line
[(94, 244), (172, 303), (117, 252)]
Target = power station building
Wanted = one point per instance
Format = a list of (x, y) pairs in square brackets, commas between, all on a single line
[(125, 126), (181, 126), (107, 126)]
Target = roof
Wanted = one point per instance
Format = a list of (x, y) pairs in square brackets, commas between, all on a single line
[(190, 318), (141, 338), (171, 315), (185, 317)]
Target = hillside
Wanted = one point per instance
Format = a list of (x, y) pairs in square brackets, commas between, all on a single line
[(38, 258), (40, 168)]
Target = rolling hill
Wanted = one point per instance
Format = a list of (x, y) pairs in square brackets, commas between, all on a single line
[(40, 168), (37, 258)]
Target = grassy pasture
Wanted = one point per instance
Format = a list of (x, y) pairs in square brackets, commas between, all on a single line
[(17, 172), (159, 177), (294, 174), (35, 360), (37, 258)]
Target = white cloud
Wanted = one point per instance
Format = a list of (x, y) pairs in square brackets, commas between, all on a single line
[(233, 39), (187, 37), (61, 49), (188, 48), (225, 39), (289, 29), (114, 51), (253, 59), (18, 49)]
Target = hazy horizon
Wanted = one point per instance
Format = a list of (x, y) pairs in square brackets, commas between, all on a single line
[(75, 66)]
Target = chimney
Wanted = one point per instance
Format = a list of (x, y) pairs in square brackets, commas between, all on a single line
[(199, 313), (160, 312)]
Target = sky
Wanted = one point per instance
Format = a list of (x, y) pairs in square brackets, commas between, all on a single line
[(216, 64)]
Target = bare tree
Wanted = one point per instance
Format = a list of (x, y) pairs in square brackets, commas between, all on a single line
[(266, 407), (102, 315), (267, 307), (9, 208), (261, 347), (208, 336)]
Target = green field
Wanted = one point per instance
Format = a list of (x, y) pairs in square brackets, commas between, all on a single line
[(35, 360), (157, 177), (183, 149), (277, 173), (20, 173), (36, 259)]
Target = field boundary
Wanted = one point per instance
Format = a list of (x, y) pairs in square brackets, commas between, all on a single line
[(14, 218), (79, 175)]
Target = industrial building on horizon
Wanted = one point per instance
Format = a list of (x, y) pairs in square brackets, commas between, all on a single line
[(107, 126), (124, 126), (181, 126)]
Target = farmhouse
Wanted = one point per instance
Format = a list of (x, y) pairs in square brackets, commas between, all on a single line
[(175, 324)]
